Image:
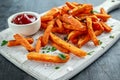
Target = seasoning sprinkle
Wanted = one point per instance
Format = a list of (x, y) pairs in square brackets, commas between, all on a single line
[(57, 67), (100, 42), (89, 53), (53, 49), (111, 36), (4, 42), (62, 56)]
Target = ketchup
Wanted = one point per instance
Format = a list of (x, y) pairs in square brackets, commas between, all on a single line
[(24, 19)]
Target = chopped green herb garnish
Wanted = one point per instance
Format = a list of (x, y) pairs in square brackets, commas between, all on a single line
[(111, 36), (112, 26), (57, 67), (100, 42), (89, 53), (48, 51), (53, 49), (103, 47), (4, 42), (92, 12), (49, 48), (113, 0), (43, 51), (62, 56), (44, 48)]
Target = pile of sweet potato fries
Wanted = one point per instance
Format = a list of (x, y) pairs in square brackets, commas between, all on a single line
[(78, 21)]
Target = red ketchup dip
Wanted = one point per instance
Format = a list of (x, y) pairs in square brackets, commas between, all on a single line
[(24, 19)]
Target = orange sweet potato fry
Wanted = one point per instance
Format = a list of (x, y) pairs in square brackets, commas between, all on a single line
[(76, 51), (43, 25), (74, 34), (46, 18), (85, 8), (15, 43), (75, 3), (59, 30), (91, 32), (106, 27), (97, 26), (72, 23), (59, 23), (70, 5), (103, 17), (52, 12), (85, 38), (64, 10), (60, 48), (46, 34), (38, 44), (102, 11), (47, 57), (23, 42)]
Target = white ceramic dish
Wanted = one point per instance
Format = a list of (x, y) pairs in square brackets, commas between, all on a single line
[(47, 71), (25, 29)]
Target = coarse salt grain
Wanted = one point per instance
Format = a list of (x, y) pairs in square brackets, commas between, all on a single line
[(69, 68)]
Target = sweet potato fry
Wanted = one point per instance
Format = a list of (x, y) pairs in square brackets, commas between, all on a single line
[(94, 18), (47, 57), (74, 34), (106, 27), (64, 10), (83, 40), (59, 23), (53, 12), (23, 42), (103, 17), (85, 8), (15, 43), (70, 5), (38, 44), (58, 30), (76, 51), (46, 18), (74, 40), (46, 34), (97, 26), (102, 11), (91, 32), (60, 48), (43, 25), (75, 3), (72, 23)]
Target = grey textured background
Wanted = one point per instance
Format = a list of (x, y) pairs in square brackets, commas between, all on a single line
[(107, 67)]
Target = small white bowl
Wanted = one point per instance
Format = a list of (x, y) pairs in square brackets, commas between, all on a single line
[(25, 29)]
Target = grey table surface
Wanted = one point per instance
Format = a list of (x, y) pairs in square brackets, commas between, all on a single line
[(107, 67)]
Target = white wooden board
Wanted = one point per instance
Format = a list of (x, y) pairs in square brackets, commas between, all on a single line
[(47, 71)]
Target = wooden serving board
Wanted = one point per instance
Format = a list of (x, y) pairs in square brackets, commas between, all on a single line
[(47, 71)]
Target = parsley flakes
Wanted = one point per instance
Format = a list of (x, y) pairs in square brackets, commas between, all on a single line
[(4, 42), (57, 67), (100, 42), (62, 56), (48, 49), (111, 36), (89, 53), (53, 49)]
